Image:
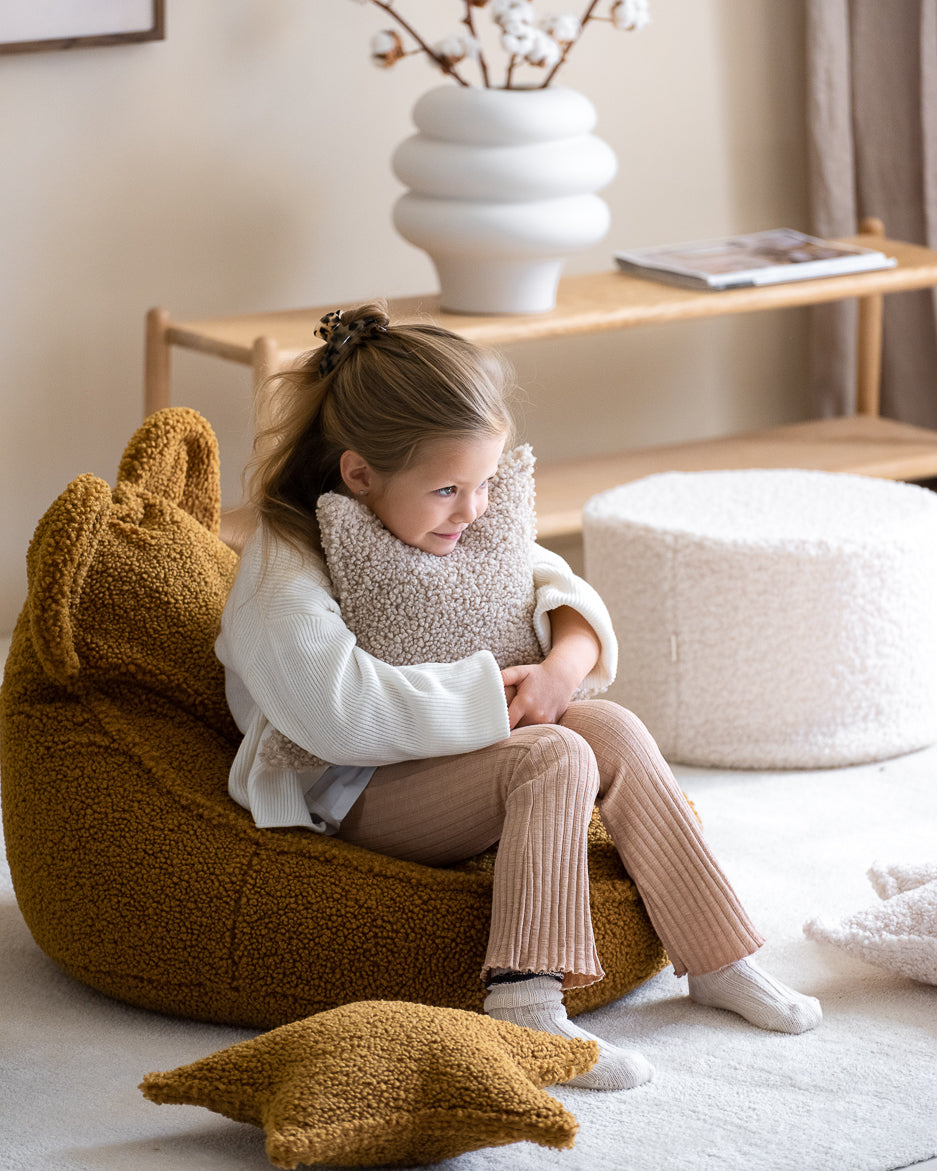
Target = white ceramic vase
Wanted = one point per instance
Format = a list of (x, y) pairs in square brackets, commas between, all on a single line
[(501, 190)]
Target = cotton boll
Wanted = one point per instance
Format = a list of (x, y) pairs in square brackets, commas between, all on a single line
[(544, 52), (563, 29), (631, 15), (386, 48)]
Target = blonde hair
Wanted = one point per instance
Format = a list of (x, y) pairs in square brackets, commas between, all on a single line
[(383, 394)]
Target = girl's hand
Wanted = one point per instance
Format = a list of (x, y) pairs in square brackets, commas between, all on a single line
[(542, 691)]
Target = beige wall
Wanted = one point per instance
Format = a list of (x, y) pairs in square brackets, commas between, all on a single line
[(242, 165)]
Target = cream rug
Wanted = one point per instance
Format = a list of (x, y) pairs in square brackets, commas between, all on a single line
[(860, 1094)]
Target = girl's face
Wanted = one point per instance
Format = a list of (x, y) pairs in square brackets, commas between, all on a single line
[(432, 503)]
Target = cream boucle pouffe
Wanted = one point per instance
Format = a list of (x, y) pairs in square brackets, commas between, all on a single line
[(772, 618)]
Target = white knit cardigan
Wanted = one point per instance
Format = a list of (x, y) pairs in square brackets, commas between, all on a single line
[(291, 663)]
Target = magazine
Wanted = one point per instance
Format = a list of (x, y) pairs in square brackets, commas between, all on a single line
[(760, 258)]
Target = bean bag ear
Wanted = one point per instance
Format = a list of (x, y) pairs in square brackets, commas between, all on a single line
[(174, 458), (170, 467), (57, 561), (129, 584), (133, 868)]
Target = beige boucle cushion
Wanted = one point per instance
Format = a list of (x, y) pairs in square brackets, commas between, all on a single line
[(383, 1082), (406, 607)]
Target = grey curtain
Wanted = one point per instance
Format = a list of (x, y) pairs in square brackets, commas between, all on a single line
[(872, 135)]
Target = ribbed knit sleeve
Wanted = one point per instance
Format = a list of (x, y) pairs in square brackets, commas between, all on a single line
[(292, 656), (556, 586)]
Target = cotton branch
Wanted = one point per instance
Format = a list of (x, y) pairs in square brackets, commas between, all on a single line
[(587, 16), (469, 21), (388, 7)]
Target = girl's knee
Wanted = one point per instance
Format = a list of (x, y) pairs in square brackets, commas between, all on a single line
[(608, 720), (559, 756)]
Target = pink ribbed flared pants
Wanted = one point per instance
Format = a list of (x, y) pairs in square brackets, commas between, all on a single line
[(534, 794)]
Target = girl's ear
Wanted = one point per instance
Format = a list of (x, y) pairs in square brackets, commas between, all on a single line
[(356, 473)]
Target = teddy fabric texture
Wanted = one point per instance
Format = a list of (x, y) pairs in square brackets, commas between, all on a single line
[(133, 868), (405, 606), (384, 1083), (900, 933), (771, 618)]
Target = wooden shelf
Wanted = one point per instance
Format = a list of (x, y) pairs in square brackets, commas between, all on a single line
[(585, 304), (864, 444)]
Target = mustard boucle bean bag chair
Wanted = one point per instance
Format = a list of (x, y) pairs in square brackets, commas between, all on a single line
[(133, 868)]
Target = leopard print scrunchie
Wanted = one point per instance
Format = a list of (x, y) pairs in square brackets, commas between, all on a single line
[(336, 335)]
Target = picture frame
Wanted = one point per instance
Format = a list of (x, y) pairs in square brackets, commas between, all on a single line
[(35, 26)]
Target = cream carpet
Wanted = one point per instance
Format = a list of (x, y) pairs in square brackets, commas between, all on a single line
[(860, 1094)]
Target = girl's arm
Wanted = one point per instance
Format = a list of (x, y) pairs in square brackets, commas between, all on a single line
[(539, 693), (348, 707), (288, 653), (575, 632)]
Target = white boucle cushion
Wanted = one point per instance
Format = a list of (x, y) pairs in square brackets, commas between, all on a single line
[(900, 933), (771, 618), (406, 607)]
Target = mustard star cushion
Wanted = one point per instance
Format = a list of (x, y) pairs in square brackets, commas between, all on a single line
[(385, 1083)]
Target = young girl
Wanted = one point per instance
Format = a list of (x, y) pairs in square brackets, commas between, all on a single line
[(437, 762)]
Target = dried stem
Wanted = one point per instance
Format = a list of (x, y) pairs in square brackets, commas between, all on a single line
[(586, 17), (469, 21)]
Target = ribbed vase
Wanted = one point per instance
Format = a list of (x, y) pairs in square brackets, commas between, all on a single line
[(501, 190)]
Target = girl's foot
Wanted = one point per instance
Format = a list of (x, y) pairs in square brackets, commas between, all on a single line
[(745, 989), (537, 1003)]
